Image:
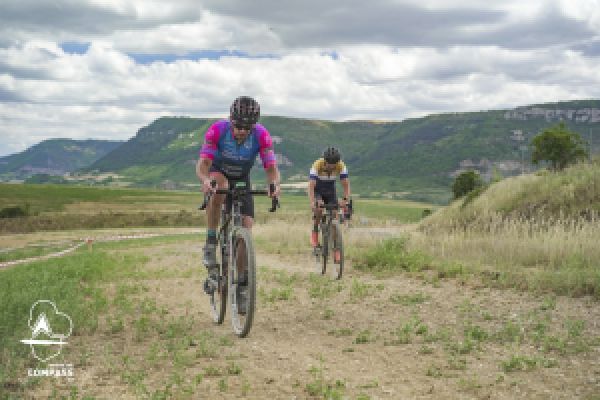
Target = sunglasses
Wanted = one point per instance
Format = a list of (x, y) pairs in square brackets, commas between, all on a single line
[(242, 126)]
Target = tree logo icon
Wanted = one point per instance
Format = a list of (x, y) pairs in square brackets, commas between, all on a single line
[(50, 329)]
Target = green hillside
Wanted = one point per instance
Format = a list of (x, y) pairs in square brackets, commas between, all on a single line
[(535, 232), (54, 157), (415, 159), (569, 195), (162, 150)]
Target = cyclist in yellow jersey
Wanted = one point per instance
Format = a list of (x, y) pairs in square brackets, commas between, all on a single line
[(321, 186)]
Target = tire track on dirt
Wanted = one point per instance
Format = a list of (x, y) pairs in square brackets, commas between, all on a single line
[(89, 241)]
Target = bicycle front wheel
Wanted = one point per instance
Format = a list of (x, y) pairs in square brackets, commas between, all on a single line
[(242, 291), (337, 253), (218, 299), (326, 244)]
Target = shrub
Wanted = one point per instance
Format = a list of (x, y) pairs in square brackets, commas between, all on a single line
[(14, 211), (559, 146), (466, 182)]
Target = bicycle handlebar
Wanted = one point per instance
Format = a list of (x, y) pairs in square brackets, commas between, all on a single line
[(335, 207), (274, 201), (328, 206)]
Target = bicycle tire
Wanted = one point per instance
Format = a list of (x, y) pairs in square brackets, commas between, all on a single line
[(218, 299), (241, 323), (338, 244), (324, 248)]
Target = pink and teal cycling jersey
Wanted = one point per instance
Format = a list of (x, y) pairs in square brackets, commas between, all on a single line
[(233, 159)]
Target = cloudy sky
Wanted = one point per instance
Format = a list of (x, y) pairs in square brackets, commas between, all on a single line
[(104, 68)]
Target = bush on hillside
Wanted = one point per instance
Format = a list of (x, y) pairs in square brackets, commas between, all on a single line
[(559, 146), (466, 182)]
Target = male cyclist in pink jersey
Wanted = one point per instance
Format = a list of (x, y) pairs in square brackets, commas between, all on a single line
[(227, 156)]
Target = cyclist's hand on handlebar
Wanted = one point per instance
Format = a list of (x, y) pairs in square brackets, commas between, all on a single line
[(273, 192), (317, 204), (209, 186)]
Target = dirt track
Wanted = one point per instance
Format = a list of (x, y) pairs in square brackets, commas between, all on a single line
[(394, 338)]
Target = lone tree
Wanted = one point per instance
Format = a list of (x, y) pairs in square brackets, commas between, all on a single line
[(466, 182), (559, 146)]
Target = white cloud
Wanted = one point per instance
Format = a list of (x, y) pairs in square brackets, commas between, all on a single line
[(587, 11), (383, 59), (209, 32)]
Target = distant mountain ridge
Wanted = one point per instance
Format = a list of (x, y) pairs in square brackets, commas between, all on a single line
[(416, 158), (413, 158), (54, 157)]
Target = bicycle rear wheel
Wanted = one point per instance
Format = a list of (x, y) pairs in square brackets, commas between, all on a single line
[(337, 253), (243, 258), (218, 299)]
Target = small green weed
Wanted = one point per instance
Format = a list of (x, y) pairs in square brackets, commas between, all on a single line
[(340, 332), (409, 299), (360, 290), (363, 337), (212, 371), (234, 369)]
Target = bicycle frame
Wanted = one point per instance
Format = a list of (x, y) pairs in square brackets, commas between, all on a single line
[(231, 234)]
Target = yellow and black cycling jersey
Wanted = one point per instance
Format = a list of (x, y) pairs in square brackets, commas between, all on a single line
[(318, 171)]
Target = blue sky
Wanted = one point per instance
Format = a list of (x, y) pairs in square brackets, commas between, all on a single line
[(103, 69)]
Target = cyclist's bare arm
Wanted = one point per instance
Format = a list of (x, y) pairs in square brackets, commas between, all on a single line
[(202, 171), (346, 185), (311, 191), (312, 198)]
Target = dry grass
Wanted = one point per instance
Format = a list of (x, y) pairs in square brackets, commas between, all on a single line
[(543, 198), (518, 242), (292, 238), (547, 223)]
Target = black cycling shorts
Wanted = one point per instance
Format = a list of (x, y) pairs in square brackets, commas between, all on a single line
[(248, 200), (326, 192)]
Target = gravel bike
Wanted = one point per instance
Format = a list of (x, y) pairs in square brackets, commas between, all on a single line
[(331, 246), (236, 261)]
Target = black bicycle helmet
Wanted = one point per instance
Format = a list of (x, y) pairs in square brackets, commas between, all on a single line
[(331, 155), (244, 111)]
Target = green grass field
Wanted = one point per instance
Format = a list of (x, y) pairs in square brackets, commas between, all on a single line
[(61, 207), (54, 198)]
